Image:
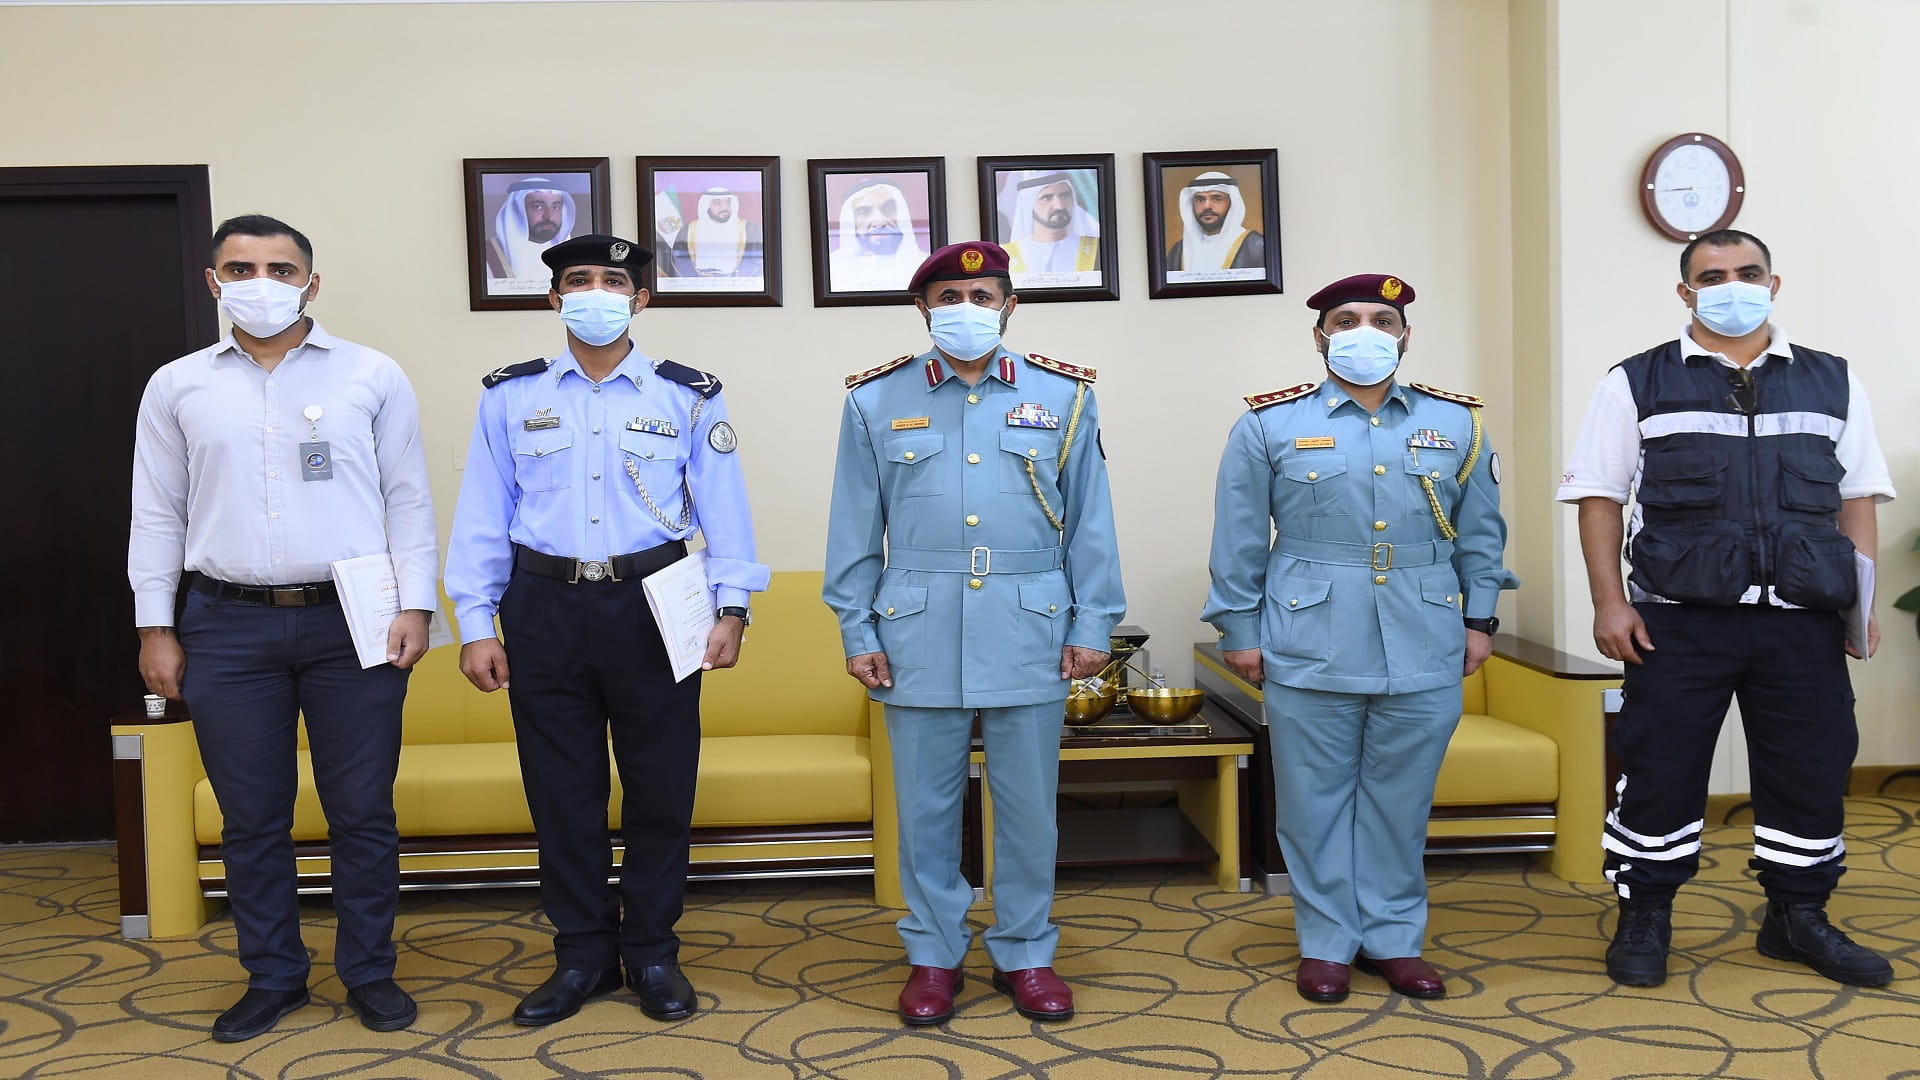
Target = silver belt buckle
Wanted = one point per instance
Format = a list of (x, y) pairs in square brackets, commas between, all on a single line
[(592, 570), (981, 563)]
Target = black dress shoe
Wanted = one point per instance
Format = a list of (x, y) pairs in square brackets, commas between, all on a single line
[(665, 994), (563, 993), (256, 1012), (382, 1005), (1799, 931)]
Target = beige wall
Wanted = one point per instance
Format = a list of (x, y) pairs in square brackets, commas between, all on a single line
[(1414, 139)]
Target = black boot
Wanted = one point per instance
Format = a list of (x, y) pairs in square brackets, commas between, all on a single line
[(1798, 930), (1638, 955)]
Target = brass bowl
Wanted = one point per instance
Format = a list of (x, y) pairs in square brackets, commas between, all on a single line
[(1166, 705), (1086, 706)]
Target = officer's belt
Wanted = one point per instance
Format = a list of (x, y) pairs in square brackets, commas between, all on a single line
[(1375, 556), (979, 561), (301, 595), (617, 568)]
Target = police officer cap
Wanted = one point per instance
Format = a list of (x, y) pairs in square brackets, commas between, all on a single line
[(976, 258), (1364, 289), (596, 249)]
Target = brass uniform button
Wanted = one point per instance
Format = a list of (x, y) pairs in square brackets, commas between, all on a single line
[(1313, 476), (1376, 421), (1050, 607), (974, 584), (889, 611), (1449, 598), (973, 519), (1380, 579), (1295, 602), (1031, 452), (1378, 470), (1379, 526), (973, 399), (1435, 474), (908, 455), (973, 459)]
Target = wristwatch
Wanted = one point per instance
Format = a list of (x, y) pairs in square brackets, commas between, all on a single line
[(737, 612), (1487, 626)]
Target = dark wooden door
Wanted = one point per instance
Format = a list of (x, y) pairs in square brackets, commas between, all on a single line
[(100, 284)]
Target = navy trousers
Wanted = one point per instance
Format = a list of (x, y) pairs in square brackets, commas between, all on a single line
[(252, 671), (1789, 670), (582, 658)]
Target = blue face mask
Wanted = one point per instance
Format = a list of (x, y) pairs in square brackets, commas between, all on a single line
[(965, 331), (1364, 355), (596, 316), (1734, 309)]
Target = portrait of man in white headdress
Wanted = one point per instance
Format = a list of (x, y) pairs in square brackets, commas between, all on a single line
[(717, 248), (877, 249), (1214, 243), (1052, 237), (536, 214)]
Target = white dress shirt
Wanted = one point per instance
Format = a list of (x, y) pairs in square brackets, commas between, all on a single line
[(218, 480)]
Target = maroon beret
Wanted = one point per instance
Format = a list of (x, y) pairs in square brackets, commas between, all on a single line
[(1363, 289), (976, 258)]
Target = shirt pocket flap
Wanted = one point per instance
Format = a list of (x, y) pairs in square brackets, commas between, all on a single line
[(1432, 464), (1047, 598), (914, 448), (642, 444), (1296, 593), (1440, 589), (1033, 444), (1314, 468), (1818, 468), (899, 601), (1680, 480), (542, 443)]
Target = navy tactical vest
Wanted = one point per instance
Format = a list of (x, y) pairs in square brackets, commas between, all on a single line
[(1739, 486)]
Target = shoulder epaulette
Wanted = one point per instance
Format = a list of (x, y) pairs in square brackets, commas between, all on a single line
[(705, 383), (1071, 371), (1447, 395), (872, 373), (513, 371), (1256, 402)]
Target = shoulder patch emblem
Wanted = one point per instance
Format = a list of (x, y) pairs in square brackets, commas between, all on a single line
[(1447, 395), (872, 373), (704, 384), (1256, 402), (513, 371), (1071, 371)]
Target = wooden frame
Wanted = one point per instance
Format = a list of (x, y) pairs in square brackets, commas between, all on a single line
[(1252, 260), (674, 193), (505, 274), (1736, 185), (856, 272), (1086, 215)]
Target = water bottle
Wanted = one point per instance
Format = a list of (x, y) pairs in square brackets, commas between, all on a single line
[(1158, 678)]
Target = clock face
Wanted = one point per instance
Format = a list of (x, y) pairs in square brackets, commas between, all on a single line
[(1692, 185)]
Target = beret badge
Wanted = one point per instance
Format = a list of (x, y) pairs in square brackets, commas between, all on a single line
[(618, 252), (1390, 289), (971, 261)]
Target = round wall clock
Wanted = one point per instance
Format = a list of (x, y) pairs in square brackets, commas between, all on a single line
[(1692, 185)]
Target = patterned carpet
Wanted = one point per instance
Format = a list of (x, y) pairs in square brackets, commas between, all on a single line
[(1175, 979)]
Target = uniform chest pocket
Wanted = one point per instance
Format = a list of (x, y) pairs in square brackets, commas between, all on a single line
[(652, 459), (1020, 447), (1811, 482), (1680, 481), (1435, 465), (543, 460), (1313, 478), (1298, 617), (915, 465)]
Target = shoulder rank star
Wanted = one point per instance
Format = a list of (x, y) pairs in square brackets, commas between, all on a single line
[(1275, 397), (1428, 438), (1032, 415), (653, 427), (1071, 371), (1447, 395), (540, 420), (872, 373)]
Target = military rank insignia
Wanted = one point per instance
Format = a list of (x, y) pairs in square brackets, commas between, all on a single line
[(1030, 415), (1429, 439), (653, 427), (540, 420)]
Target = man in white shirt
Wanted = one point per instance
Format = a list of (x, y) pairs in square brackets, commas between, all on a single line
[(1754, 473), (257, 463)]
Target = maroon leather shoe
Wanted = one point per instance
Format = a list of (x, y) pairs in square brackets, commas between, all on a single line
[(1038, 994), (1410, 975), (927, 999), (1321, 980)]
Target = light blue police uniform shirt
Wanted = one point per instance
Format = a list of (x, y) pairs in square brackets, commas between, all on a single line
[(928, 465), (1326, 552), (592, 486)]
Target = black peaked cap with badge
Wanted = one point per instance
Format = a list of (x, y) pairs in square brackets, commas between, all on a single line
[(596, 249)]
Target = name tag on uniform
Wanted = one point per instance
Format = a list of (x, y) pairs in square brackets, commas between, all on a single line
[(653, 427), (316, 461), (540, 421), (912, 423), (1314, 442), (1033, 416)]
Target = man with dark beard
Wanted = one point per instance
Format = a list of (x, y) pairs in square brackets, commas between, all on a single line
[(535, 216), (1213, 236), (1055, 234), (718, 242)]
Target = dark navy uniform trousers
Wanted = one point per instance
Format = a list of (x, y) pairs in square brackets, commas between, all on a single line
[(582, 657), (1788, 668), (252, 670)]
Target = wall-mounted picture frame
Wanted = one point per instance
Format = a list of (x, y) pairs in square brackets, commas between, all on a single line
[(1213, 223), (716, 230), (519, 207), (874, 221), (1054, 214)]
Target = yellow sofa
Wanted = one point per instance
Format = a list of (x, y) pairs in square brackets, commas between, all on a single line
[(789, 783), (1526, 770)]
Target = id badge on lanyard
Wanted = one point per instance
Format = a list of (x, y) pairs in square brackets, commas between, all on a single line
[(316, 455)]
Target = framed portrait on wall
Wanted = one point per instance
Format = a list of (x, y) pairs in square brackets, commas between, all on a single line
[(716, 230), (519, 207), (1213, 223), (874, 221), (1054, 215)]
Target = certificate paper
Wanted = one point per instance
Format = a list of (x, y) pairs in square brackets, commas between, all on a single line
[(683, 609), (1862, 608), (370, 596)]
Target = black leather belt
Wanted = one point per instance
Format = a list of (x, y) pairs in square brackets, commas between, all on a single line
[(312, 592), (618, 568)]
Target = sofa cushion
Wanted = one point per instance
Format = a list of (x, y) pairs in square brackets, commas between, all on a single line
[(473, 789), (1492, 762)]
